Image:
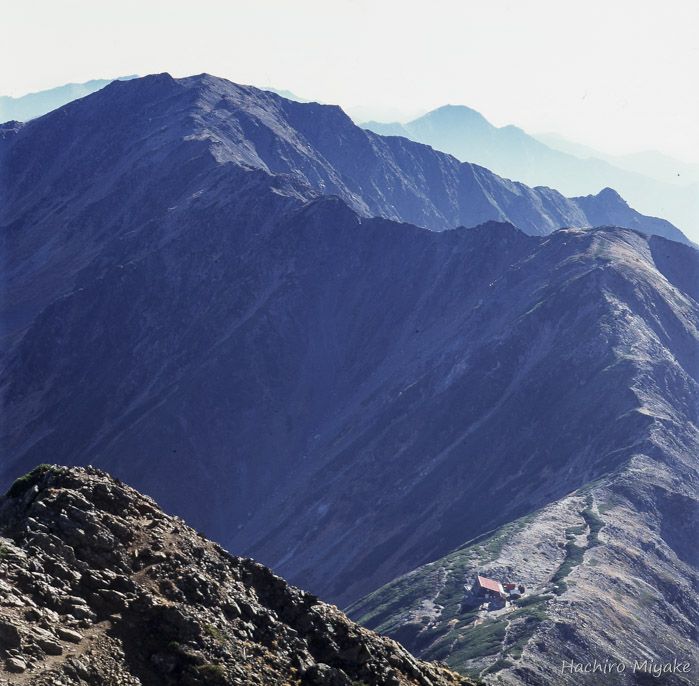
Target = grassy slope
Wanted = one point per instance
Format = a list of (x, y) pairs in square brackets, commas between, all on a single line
[(423, 609)]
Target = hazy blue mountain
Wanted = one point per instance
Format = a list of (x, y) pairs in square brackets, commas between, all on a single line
[(197, 299), (34, 105), (650, 163), (286, 94), (388, 129), (510, 152)]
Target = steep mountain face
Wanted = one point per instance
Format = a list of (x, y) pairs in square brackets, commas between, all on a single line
[(123, 157), (138, 153), (266, 357), (509, 151), (345, 398), (99, 586), (560, 340)]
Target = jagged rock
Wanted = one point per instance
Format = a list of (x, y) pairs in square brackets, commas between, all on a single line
[(49, 646), (322, 674), (14, 664), (9, 634), (235, 622), (68, 634)]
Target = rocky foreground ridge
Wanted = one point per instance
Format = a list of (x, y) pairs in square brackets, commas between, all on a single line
[(99, 586)]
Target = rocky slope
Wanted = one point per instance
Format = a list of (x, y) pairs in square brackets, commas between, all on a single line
[(175, 312), (343, 398), (266, 372), (510, 152), (99, 586), (600, 583)]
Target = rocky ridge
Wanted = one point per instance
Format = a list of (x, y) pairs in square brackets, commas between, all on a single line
[(512, 153), (99, 586), (275, 368)]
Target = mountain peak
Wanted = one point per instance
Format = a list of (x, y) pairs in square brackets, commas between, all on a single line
[(457, 115), (609, 195), (142, 84)]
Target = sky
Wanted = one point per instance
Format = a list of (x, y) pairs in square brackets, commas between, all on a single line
[(617, 75)]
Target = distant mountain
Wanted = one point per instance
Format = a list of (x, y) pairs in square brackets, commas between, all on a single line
[(198, 299), (286, 94), (35, 104), (141, 598), (512, 153), (321, 147), (314, 148), (648, 163)]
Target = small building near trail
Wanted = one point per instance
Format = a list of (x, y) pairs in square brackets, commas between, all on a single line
[(491, 592), (488, 588), (513, 591)]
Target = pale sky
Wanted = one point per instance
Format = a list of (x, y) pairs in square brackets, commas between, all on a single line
[(618, 75)]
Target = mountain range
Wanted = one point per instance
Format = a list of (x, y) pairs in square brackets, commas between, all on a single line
[(655, 183), (650, 163), (34, 105), (646, 181), (267, 318)]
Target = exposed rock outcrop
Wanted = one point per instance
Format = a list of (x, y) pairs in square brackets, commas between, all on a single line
[(99, 586)]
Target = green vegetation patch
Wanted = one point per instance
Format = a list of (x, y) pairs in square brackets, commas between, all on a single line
[(212, 674), (461, 645), (451, 595), (468, 616), (594, 522), (24, 483), (500, 663), (517, 648), (575, 553), (484, 639), (441, 648), (536, 613), (574, 556), (532, 600), (214, 632)]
